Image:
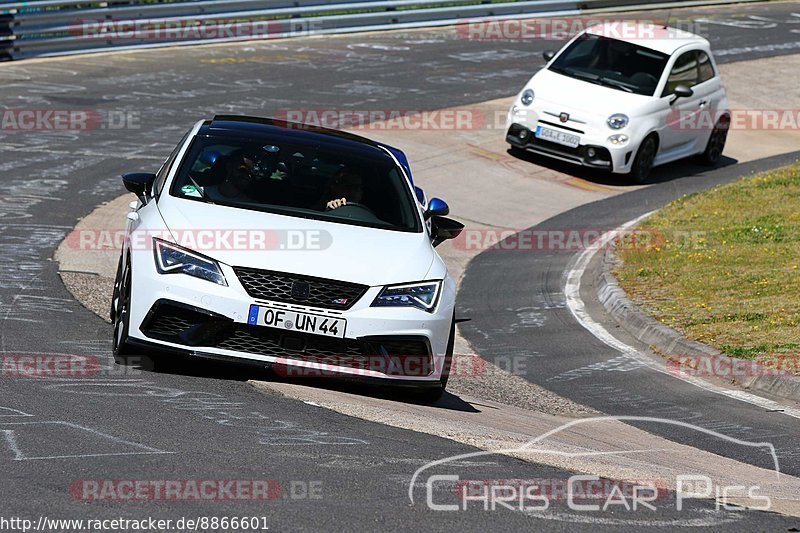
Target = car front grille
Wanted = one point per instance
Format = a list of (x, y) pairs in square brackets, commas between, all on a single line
[(301, 290), (272, 342), (398, 357), (523, 137), (555, 147), (192, 327)]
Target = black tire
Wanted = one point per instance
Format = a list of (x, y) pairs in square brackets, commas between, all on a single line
[(716, 143), (643, 162), (434, 394), (121, 312), (117, 279)]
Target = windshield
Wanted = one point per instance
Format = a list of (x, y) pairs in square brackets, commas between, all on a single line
[(317, 180), (617, 64)]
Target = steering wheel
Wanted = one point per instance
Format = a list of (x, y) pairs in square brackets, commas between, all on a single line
[(366, 215), (353, 204)]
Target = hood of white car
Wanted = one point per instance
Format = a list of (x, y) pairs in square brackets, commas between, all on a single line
[(297, 245), (584, 101)]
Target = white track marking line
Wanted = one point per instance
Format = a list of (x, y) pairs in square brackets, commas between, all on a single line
[(9, 434), (11, 440), (572, 291)]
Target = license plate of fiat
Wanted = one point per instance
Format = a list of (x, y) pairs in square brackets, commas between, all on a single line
[(558, 137)]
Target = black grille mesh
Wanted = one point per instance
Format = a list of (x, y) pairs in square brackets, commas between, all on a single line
[(277, 286), (169, 324)]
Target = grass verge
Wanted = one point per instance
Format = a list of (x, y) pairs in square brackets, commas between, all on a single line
[(723, 267)]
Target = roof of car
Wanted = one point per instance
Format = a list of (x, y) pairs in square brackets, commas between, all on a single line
[(657, 37), (249, 126), (261, 126)]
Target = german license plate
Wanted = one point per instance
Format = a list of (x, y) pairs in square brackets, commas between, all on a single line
[(556, 136), (275, 317)]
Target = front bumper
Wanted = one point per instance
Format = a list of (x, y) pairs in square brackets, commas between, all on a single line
[(145, 346), (189, 315), (594, 151)]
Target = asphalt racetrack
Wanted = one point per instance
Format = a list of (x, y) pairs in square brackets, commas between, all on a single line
[(204, 422)]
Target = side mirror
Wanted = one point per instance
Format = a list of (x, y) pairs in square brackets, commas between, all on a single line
[(548, 55), (444, 229), (437, 208), (681, 91), (139, 183)]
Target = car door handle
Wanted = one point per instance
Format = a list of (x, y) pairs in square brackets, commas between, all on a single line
[(703, 103)]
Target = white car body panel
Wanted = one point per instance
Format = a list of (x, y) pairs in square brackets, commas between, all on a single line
[(357, 254)]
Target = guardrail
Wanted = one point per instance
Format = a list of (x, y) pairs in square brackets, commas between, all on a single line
[(58, 27)]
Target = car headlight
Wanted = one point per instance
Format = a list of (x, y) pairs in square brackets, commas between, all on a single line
[(527, 97), (519, 114), (618, 139), (617, 121), (420, 295), (172, 259)]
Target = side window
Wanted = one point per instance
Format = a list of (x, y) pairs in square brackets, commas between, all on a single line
[(684, 72), (706, 69), (163, 172)]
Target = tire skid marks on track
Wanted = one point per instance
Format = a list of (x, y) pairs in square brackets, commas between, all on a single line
[(22, 247), (615, 396), (18, 197), (96, 347), (108, 153), (621, 363), (21, 251), (29, 308), (215, 407)]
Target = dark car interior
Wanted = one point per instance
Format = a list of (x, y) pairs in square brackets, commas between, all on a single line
[(622, 65), (298, 179)]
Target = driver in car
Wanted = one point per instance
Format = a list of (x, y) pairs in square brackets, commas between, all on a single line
[(237, 175), (347, 186)]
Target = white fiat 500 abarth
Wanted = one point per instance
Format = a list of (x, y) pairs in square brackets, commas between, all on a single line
[(624, 101)]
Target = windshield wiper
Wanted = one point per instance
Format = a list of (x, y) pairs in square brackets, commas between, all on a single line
[(592, 78), (586, 76), (613, 83)]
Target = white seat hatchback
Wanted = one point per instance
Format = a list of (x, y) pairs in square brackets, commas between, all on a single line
[(306, 250), (624, 101)]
